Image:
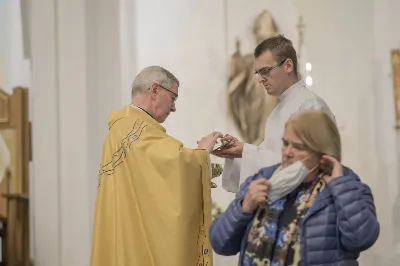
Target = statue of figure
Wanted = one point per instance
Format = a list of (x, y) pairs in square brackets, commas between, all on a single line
[(249, 102)]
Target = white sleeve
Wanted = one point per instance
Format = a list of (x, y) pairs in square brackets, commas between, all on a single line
[(231, 175), (253, 159)]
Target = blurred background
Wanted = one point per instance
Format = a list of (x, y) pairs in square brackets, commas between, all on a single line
[(64, 65)]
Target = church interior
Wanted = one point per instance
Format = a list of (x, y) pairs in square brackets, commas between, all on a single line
[(65, 65)]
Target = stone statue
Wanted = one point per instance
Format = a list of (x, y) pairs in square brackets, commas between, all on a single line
[(248, 101)]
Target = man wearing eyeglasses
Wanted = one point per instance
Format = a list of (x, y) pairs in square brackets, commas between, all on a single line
[(276, 69), (153, 202)]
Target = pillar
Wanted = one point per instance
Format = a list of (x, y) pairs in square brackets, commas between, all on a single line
[(78, 67)]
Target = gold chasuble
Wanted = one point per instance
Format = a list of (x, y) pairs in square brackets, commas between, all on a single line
[(153, 204)]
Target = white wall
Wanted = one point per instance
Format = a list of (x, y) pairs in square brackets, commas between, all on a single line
[(340, 51), (176, 35), (15, 70), (195, 39), (76, 82), (86, 55), (387, 141), (348, 44), (179, 38), (198, 51)]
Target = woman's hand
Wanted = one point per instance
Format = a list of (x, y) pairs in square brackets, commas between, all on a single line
[(332, 168), (256, 195)]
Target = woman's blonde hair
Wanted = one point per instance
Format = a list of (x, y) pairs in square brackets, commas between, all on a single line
[(318, 132)]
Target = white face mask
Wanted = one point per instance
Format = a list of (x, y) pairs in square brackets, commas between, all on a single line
[(287, 179)]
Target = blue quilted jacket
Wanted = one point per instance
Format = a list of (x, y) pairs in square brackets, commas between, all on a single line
[(340, 224)]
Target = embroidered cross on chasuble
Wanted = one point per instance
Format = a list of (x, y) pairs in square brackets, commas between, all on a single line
[(153, 203)]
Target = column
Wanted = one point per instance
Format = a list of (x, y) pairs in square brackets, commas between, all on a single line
[(76, 71), (73, 133), (128, 47), (44, 194)]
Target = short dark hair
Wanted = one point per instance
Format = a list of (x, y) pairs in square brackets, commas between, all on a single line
[(281, 47)]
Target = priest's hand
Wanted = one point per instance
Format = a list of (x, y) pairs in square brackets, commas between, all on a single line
[(233, 150), (256, 195), (332, 168), (209, 141)]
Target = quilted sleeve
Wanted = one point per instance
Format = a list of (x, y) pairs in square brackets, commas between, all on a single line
[(228, 229), (357, 222)]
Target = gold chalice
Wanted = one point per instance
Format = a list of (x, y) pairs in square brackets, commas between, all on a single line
[(216, 170)]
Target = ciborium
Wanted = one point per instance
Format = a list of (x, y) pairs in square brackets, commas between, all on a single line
[(216, 170)]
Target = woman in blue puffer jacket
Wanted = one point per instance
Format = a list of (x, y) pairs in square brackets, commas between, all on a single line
[(308, 210)]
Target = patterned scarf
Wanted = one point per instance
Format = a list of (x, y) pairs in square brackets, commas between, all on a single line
[(268, 245)]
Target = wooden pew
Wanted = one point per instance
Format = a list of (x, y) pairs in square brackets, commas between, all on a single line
[(14, 187)]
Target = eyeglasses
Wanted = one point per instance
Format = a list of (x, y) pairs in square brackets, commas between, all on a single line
[(173, 94), (265, 71)]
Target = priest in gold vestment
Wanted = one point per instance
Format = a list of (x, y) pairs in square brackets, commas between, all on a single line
[(153, 202)]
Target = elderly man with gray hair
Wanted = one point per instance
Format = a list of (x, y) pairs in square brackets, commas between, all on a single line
[(154, 197)]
